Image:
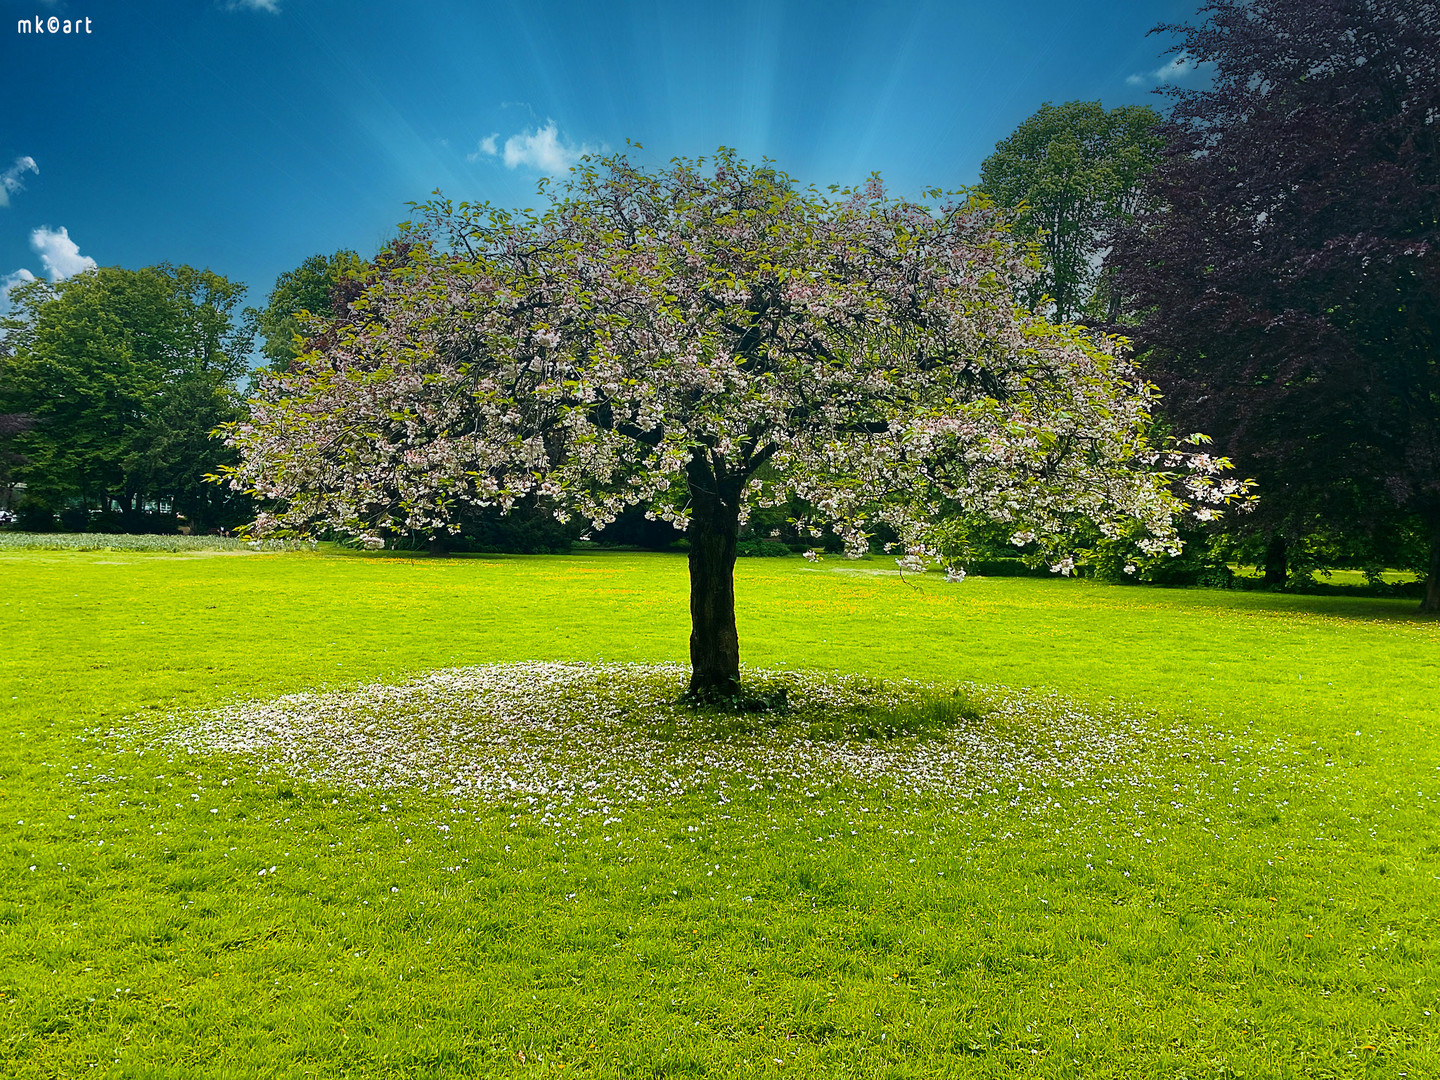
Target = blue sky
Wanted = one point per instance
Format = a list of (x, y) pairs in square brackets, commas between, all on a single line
[(246, 135)]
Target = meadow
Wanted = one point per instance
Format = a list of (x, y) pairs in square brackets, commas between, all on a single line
[(1170, 833)]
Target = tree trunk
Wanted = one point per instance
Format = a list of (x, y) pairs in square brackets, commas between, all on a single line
[(1432, 580), (714, 530), (1277, 565)]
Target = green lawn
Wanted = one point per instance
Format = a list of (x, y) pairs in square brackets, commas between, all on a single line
[(1249, 891)]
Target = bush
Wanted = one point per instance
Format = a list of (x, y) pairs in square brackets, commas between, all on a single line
[(75, 519), (1202, 563), (1002, 567), (761, 548), (633, 529), (524, 530), (33, 517)]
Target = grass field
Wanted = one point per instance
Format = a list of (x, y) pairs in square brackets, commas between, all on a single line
[(1224, 860)]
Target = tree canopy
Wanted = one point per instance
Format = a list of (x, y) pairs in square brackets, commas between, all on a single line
[(123, 375), (702, 339), (313, 290), (1078, 171), (1289, 278)]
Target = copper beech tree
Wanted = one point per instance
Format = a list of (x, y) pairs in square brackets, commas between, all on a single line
[(702, 339), (1284, 269)]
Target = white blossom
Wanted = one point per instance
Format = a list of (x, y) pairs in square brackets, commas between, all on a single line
[(862, 354)]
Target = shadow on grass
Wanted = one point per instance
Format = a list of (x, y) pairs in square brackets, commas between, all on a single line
[(764, 707), (1337, 604), (930, 717)]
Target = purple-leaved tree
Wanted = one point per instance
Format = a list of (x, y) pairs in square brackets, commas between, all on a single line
[(700, 340), (1286, 273)]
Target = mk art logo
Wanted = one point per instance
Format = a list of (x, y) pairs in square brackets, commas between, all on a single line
[(53, 25)]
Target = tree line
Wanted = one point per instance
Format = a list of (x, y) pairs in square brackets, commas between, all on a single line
[(114, 382), (1268, 243), (1272, 246)]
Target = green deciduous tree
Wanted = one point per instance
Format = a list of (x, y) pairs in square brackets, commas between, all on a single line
[(124, 373), (314, 288), (1077, 170)]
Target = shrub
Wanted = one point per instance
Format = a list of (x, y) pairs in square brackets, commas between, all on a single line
[(761, 548), (34, 517), (1202, 564)]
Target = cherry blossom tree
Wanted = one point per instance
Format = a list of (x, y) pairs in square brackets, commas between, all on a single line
[(701, 340)]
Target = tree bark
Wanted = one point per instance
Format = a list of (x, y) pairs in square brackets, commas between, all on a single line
[(1277, 564), (713, 532), (1432, 580)]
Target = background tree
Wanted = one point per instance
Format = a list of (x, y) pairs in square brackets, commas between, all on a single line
[(1290, 281), (12, 425), (126, 373), (699, 342), (317, 287), (1079, 171)]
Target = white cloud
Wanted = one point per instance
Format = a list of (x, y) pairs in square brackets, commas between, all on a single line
[(485, 149), (9, 281), (543, 149), (10, 178), (59, 254), (272, 6), (1175, 70)]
